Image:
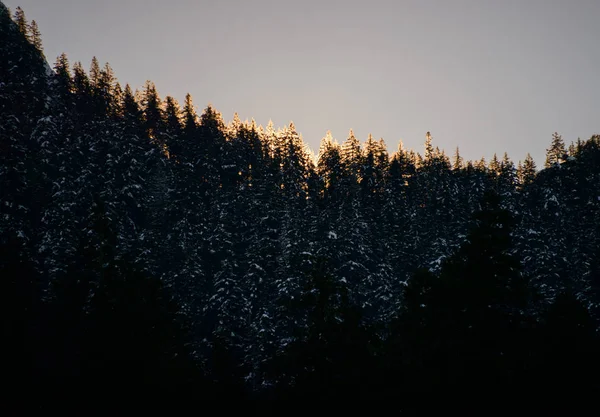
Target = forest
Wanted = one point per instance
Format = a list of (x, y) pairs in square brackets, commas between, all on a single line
[(156, 258)]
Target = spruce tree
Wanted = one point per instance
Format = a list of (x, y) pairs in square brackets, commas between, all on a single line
[(82, 90), (557, 152), (506, 182), (104, 90), (173, 128), (117, 100), (481, 165), (190, 122), (428, 146), (21, 21), (399, 210), (494, 167), (526, 173), (153, 113), (329, 167), (131, 111), (352, 156), (36, 36), (63, 80), (458, 162), (94, 74)]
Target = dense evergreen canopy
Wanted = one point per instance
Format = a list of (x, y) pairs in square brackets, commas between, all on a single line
[(151, 256)]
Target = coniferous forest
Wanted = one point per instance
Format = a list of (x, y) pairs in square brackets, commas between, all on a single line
[(156, 258)]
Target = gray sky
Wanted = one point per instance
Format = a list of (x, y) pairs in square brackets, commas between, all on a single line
[(486, 75)]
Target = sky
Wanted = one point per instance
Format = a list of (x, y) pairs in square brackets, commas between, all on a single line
[(488, 76)]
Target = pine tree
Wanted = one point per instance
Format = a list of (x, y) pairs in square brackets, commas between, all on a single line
[(190, 116), (369, 178), (131, 110), (373, 181), (352, 156), (234, 127), (211, 136), (296, 163), (94, 74), (428, 146), (21, 21), (80, 80), (507, 182), (458, 162), (63, 80), (173, 128), (104, 89), (526, 173), (329, 166), (481, 165), (117, 100), (494, 167), (82, 90), (184, 144), (399, 210), (153, 113), (36, 36), (557, 152)]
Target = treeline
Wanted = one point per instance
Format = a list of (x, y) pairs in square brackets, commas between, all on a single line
[(151, 256)]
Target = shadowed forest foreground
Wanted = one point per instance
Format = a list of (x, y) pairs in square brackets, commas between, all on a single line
[(155, 260)]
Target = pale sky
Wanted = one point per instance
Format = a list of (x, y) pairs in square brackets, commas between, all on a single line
[(486, 75)]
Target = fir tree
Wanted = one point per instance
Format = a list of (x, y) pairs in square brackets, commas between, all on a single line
[(104, 89), (131, 110), (428, 146), (94, 73), (557, 152), (63, 80), (153, 113), (173, 126), (526, 173), (458, 162), (36, 36), (352, 155), (494, 167), (481, 165), (190, 117), (329, 166), (82, 90), (21, 21)]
